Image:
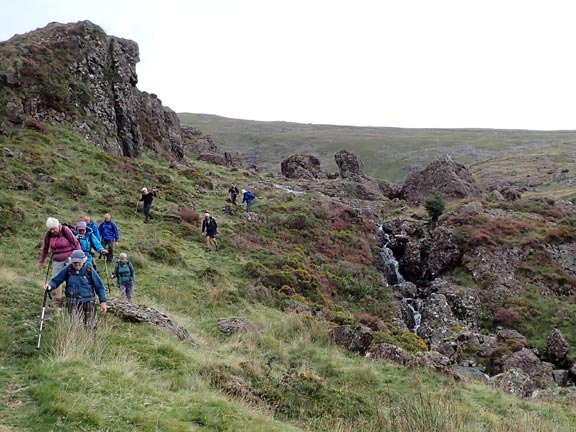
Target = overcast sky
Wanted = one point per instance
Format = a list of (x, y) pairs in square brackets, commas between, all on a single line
[(403, 63)]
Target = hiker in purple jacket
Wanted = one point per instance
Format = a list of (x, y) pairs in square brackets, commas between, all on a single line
[(60, 240)]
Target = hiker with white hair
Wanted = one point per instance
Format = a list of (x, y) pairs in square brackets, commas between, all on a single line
[(82, 286), (61, 242), (125, 276), (147, 196), (210, 229)]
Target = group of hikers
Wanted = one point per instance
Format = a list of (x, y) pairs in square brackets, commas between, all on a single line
[(71, 251)]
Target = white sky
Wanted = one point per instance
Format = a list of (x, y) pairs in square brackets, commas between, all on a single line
[(404, 63)]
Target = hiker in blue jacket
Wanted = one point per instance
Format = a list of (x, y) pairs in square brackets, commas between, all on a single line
[(109, 236), (88, 241), (82, 283), (248, 198), (92, 225)]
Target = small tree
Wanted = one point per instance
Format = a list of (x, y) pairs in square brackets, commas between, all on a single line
[(435, 206)]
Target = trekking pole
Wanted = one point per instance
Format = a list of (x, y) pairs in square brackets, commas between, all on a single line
[(107, 276), (136, 209), (46, 294)]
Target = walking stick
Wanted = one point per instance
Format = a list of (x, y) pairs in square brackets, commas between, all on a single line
[(136, 209), (107, 276), (46, 294)]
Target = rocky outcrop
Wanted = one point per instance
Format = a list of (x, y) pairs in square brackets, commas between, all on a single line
[(196, 143), (135, 313), (540, 373), (354, 338), (556, 347), (449, 178), (349, 165), (302, 166), (236, 325), (77, 75)]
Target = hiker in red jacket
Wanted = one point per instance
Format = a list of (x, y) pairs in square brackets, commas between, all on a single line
[(61, 242)]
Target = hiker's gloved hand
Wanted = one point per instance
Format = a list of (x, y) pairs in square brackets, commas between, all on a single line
[(104, 252), (103, 307)]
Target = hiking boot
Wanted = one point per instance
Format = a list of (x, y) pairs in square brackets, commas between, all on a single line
[(146, 221), (217, 247), (208, 249)]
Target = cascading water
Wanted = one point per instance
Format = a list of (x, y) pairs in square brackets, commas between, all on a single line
[(391, 269)]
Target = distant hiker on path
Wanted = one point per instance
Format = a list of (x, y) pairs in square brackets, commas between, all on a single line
[(125, 275), (82, 282), (88, 241), (109, 236), (147, 197), (61, 242), (233, 191), (210, 227), (92, 225), (248, 198)]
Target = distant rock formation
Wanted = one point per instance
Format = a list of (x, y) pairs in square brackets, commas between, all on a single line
[(443, 175), (349, 165), (302, 166), (205, 149)]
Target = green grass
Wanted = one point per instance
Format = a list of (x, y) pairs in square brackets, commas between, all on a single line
[(134, 377), (391, 153)]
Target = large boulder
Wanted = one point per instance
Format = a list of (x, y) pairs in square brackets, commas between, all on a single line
[(302, 166), (539, 372), (449, 178), (556, 347), (354, 338), (349, 164)]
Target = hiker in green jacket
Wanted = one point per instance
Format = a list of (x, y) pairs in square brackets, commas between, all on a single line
[(125, 275)]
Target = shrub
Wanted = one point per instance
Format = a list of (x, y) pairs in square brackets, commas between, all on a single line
[(127, 168), (435, 206), (74, 186)]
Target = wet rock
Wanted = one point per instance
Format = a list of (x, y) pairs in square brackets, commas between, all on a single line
[(437, 324), (451, 179), (354, 338), (556, 347), (235, 325), (302, 166)]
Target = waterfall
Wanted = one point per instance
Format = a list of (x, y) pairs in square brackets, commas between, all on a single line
[(390, 267)]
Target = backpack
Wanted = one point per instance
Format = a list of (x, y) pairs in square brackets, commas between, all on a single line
[(70, 269), (73, 229)]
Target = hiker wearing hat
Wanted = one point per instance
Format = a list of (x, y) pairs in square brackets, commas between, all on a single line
[(233, 191), (109, 236), (61, 242), (147, 197), (82, 283), (125, 275), (210, 229), (88, 241), (248, 198)]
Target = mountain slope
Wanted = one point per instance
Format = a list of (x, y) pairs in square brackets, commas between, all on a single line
[(287, 376), (388, 153)]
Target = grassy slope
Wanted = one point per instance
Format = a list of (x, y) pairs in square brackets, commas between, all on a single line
[(388, 153), (136, 378)]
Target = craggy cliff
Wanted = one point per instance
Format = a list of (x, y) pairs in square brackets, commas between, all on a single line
[(75, 74)]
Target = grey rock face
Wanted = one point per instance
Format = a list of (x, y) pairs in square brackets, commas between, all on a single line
[(349, 164), (556, 347), (354, 338), (451, 179), (302, 166), (78, 75)]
